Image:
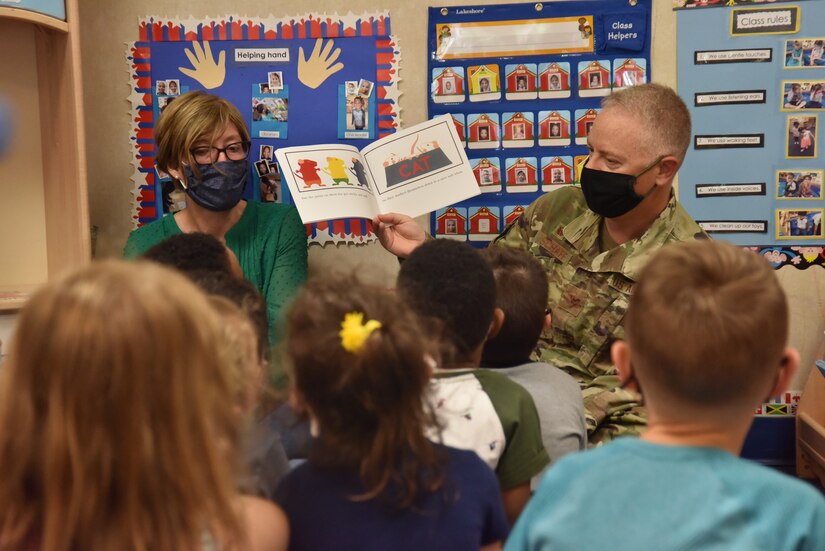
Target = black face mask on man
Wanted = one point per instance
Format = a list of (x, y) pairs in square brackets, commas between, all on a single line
[(611, 194), (220, 186)]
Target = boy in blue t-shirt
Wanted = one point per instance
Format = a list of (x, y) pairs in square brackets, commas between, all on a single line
[(706, 334), (450, 284)]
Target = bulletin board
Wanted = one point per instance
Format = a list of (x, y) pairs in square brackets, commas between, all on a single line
[(523, 83), (754, 79), (298, 81)]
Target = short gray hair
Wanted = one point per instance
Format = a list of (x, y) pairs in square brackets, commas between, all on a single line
[(662, 112)]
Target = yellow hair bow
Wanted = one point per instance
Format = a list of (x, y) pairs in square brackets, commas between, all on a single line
[(354, 332)]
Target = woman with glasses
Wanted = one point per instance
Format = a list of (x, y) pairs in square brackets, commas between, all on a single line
[(203, 143)]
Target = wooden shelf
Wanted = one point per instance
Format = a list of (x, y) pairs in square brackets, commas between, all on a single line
[(34, 17), (46, 230), (12, 300)]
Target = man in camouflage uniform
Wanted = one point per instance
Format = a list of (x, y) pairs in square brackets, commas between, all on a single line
[(594, 240)]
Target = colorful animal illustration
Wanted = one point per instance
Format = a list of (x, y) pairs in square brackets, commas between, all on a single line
[(308, 172), (337, 170), (359, 172)]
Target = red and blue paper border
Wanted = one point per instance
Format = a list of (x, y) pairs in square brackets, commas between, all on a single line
[(353, 230)]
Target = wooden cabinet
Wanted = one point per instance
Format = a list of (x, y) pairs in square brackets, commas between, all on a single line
[(44, 221)]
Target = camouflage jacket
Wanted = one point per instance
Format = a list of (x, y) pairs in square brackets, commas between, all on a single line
[(589, 289)]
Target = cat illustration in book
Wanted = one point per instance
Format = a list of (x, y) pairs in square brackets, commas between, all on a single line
[(308, 172), (337, 170)]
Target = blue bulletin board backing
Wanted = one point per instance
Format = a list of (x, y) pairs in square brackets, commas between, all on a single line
[(263, 71), (744, 178), (523, 82)]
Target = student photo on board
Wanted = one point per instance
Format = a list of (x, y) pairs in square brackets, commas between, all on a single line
[(358, 114), (276, 80), (173, 87), (801, 137), (365, 88), (262, 167), (484, 85)]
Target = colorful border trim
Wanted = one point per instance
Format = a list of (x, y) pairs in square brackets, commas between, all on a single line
[(388, 57), (798, 256)]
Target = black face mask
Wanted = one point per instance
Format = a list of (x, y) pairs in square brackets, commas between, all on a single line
[(220, 186), (611, 194)]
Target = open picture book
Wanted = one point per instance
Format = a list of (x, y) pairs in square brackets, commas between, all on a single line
[(413, 171)]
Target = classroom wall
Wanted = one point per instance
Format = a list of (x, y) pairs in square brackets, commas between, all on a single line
[(106, 26)]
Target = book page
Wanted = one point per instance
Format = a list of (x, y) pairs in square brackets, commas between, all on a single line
[(420, 169), (327, 182)]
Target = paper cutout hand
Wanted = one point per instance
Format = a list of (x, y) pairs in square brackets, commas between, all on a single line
[(314, 70), (205, 70)]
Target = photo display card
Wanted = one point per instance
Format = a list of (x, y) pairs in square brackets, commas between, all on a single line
[(298, 81), (754, 80), (523, 83)]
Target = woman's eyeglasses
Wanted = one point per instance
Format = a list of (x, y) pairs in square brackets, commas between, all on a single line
[(209, 154)]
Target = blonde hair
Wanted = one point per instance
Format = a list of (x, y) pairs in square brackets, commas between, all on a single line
[(116, 416), (707, 323), (189, 118), (239, 341), (662, 113)]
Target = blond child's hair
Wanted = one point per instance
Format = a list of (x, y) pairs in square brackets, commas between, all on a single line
[(707, 324), (116, 416), (239, 341)]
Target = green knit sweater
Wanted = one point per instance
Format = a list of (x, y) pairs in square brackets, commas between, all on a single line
[(269, 240)]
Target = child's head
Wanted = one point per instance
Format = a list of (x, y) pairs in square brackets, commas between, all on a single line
[(241, 352), (521, 294), (194, 252), (116, 416), (450, 282), (706, 331), (360, 370), (358, 102), (242, 294)]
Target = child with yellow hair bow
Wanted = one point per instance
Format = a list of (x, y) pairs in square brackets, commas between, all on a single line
[(361, 369)]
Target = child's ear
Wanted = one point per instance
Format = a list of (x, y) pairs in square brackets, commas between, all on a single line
[(495, 323), (787, 369), (548, 321), (620, 354)]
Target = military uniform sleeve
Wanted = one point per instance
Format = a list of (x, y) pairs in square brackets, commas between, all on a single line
[(519, 233)]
